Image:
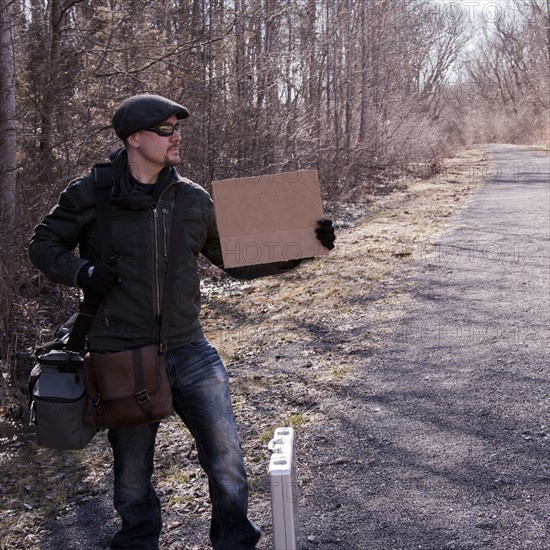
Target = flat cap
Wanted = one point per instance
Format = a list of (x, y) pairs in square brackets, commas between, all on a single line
[(143, 111)]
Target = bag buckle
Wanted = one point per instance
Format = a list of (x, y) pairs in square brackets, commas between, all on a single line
[(32, 418), (142, 396)]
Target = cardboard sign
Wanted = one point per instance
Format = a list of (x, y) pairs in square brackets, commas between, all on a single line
[(270, 218)]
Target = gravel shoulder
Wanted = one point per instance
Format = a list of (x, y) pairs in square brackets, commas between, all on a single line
[(412, 363)]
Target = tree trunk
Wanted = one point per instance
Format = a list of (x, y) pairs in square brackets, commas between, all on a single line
[(7, 127), (364, 70), (7, 160)]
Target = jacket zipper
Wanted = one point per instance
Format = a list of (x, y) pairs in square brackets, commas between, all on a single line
[(162, 345), (156, 270), (165, 213)]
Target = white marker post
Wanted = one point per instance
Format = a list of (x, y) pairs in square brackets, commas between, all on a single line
[(284, 490)]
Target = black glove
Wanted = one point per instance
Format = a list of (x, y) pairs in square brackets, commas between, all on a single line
[(98, 277), (325, 233)]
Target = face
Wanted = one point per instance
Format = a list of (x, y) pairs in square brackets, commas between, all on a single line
[(158, 150)]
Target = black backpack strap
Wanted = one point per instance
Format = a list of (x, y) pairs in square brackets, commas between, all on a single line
[(104, 179), (103, 174)]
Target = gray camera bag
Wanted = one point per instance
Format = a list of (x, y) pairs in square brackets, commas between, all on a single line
[(58, 401)]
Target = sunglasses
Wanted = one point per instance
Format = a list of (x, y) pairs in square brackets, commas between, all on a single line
[(164, 130)]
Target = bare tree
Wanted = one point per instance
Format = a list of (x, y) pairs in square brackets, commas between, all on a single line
[(510, 74), (7, 157), (7, 115)]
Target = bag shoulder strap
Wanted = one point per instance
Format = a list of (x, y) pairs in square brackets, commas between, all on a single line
[(103, 174), (104, 180)]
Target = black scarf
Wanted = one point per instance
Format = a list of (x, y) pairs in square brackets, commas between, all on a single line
[(126, 194)]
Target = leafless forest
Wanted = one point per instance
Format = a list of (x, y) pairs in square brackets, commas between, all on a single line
[(364, 91)]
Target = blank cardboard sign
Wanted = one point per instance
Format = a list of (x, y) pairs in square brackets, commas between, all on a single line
[(270, 218)]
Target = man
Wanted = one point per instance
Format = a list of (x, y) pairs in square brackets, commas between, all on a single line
[(143, 199)]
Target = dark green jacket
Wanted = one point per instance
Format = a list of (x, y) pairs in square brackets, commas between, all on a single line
[(128, 317)]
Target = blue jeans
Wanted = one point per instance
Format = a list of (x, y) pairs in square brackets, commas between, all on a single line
[(201, 397)]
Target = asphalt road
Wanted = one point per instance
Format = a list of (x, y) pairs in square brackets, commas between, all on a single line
[(442, 439)]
